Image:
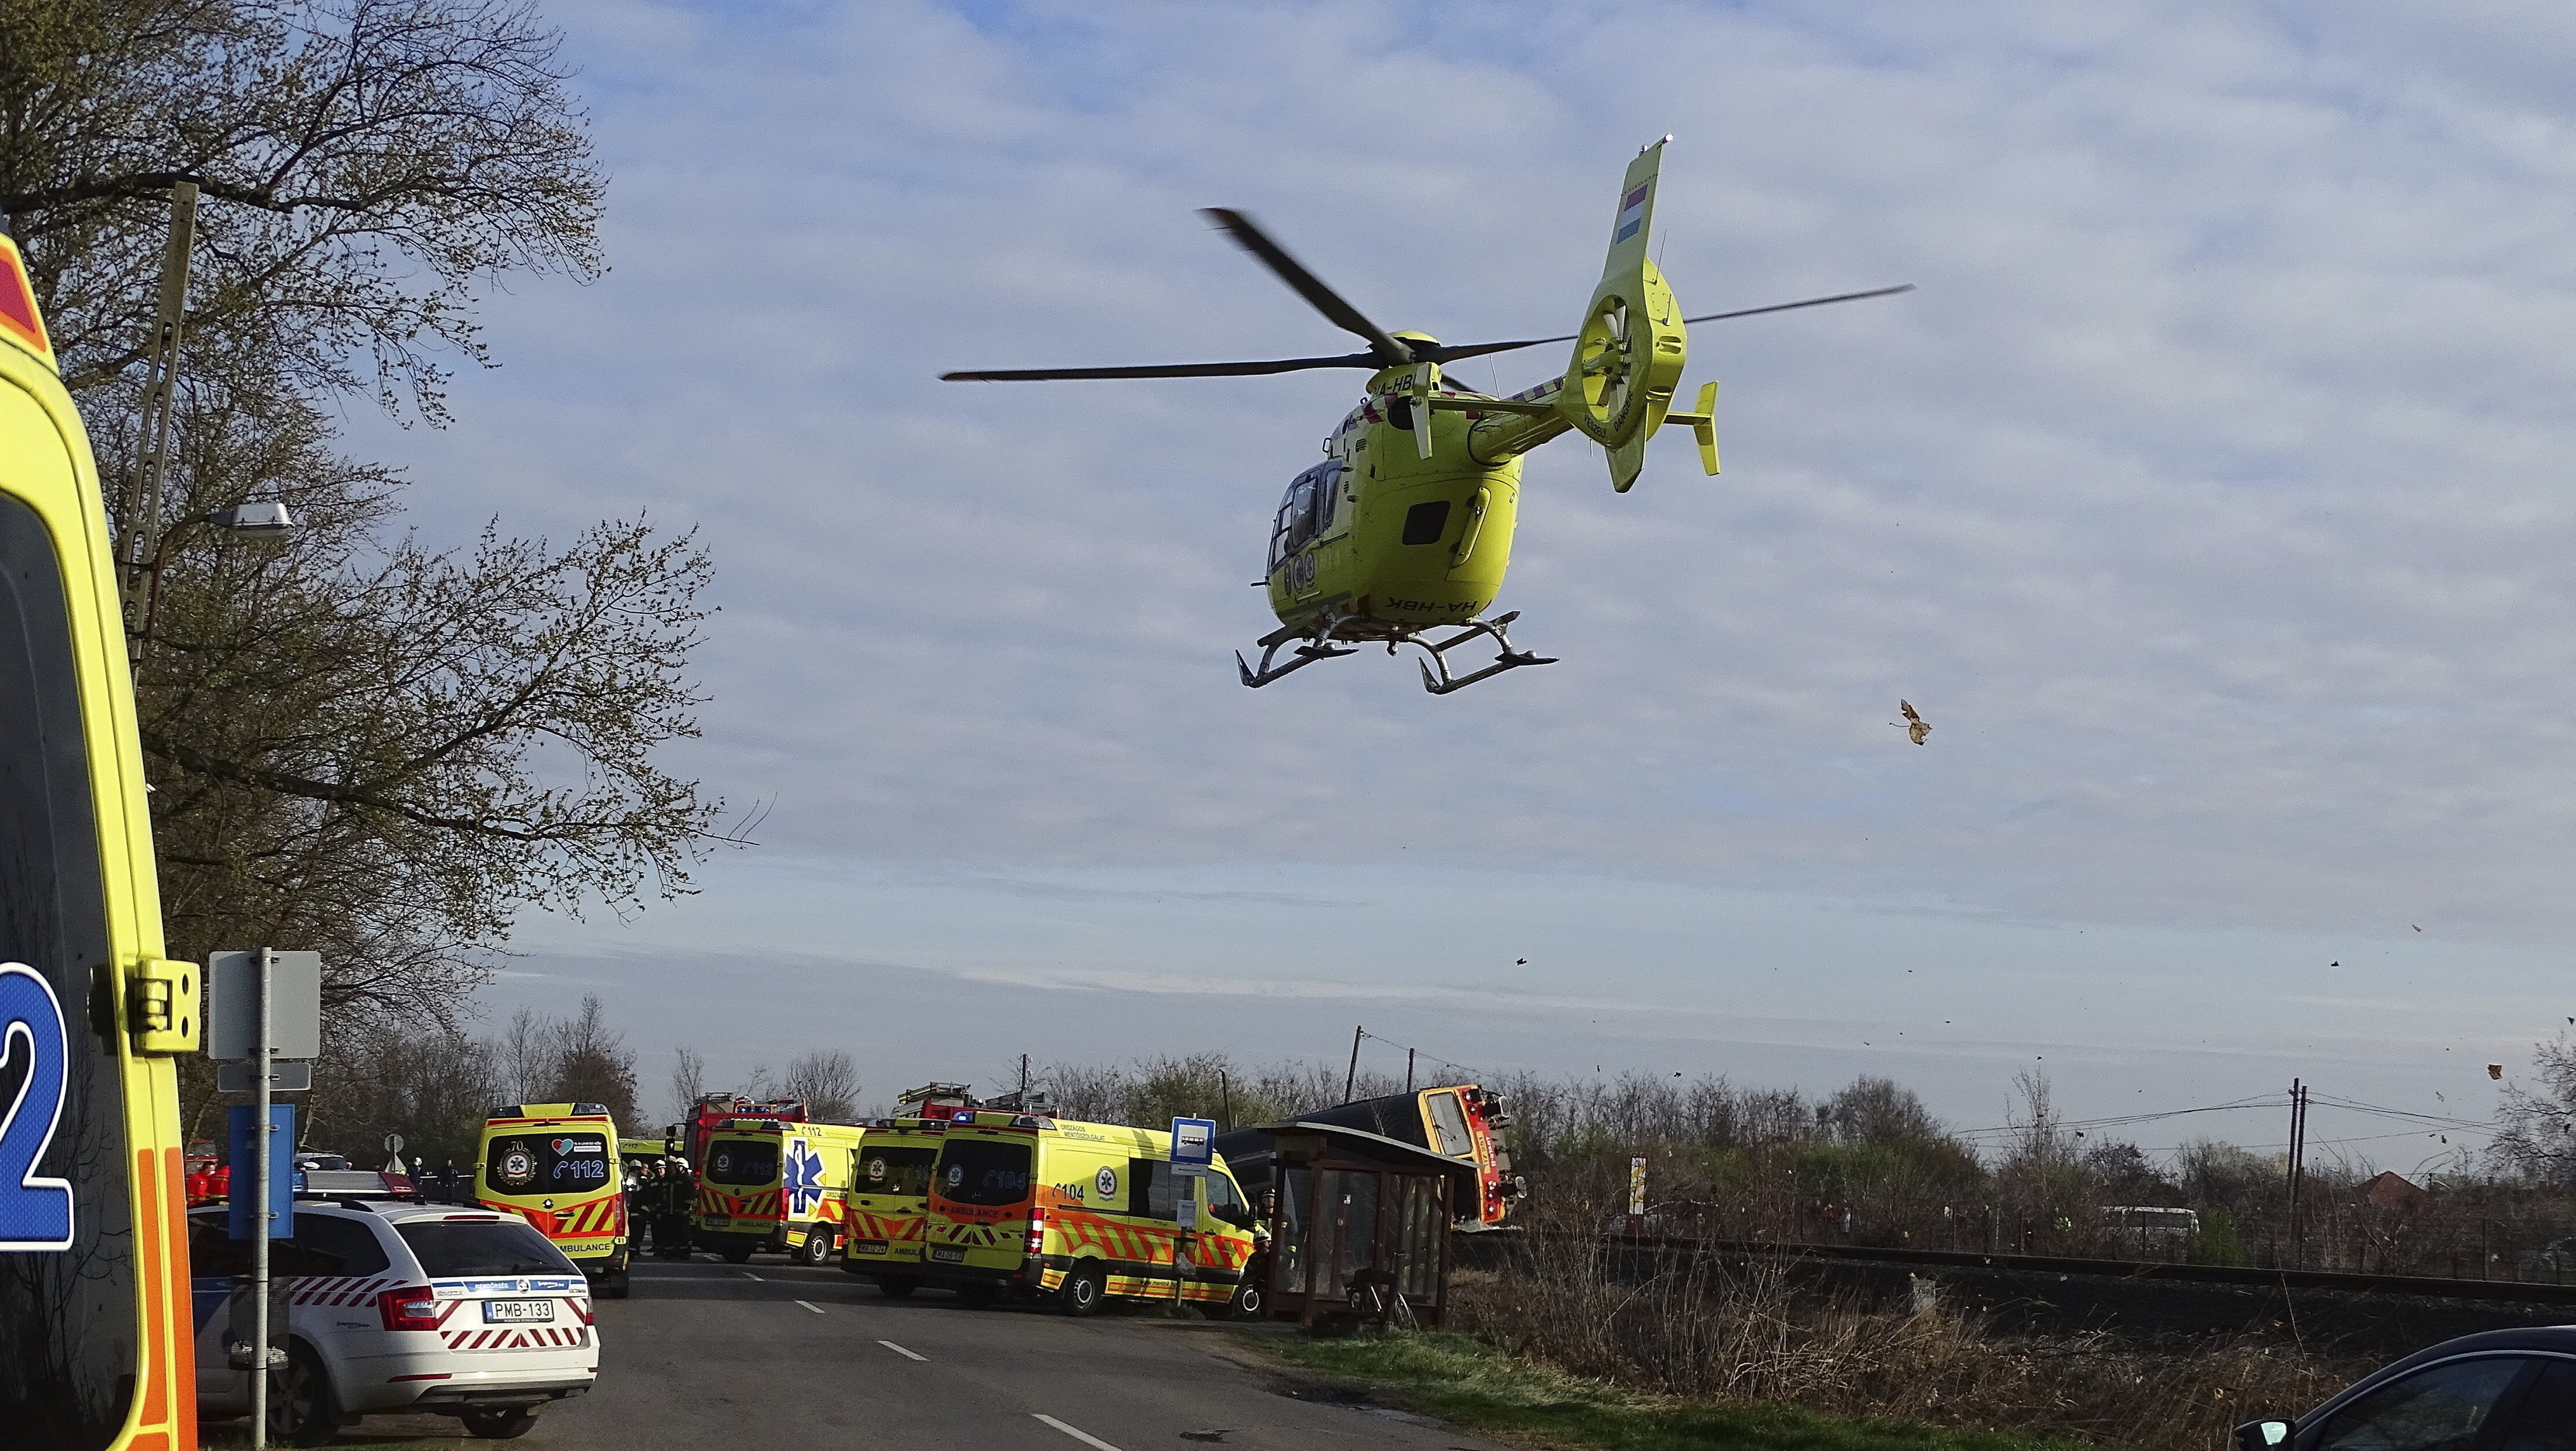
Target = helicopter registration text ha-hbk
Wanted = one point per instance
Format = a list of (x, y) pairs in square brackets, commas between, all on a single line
[(1406, 527)]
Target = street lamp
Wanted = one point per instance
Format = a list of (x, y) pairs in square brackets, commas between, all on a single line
[(260, 519)]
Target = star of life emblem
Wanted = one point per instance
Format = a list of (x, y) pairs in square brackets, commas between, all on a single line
[(804, 1176)]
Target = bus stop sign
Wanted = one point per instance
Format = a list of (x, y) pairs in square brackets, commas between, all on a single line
[(1193, 1144)]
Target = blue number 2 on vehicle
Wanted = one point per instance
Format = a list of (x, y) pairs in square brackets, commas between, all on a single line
[(35, 1211)]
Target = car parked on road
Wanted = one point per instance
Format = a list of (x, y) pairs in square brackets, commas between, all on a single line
[(2502, 1390), (393, 1307)]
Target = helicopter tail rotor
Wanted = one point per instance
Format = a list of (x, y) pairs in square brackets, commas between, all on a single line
[(1628, 357)]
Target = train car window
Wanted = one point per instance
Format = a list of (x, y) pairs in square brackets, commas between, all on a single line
[(1449, 1126), (67, 1290)]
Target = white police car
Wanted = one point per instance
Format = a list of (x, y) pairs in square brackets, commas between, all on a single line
[(419, 1308)]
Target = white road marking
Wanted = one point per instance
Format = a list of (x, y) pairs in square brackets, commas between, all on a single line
[(899, 1350), (748, 1275), (1085, 1437), (810, 1305)]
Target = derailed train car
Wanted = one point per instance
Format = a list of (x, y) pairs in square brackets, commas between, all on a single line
[(1460, 1122)]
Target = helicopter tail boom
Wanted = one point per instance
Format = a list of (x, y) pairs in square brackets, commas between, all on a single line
[(1628, 357)]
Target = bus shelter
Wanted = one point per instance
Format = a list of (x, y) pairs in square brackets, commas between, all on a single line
[(1359, 1222)]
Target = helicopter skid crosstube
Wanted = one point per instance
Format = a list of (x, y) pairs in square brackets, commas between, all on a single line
[(1321, 649), (1435, 673), (1508, 659)]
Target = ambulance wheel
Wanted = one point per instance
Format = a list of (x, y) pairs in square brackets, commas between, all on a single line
[(302, 1411), (1085, 1286), (737, 1256), (818, 1247), (1248, 1301), (897, 1289), (505, 1424), (614, 1285)]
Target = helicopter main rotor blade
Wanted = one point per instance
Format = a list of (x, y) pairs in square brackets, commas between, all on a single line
[(1478, 350), (1167, 370), (1308, 286), (1810, 302)]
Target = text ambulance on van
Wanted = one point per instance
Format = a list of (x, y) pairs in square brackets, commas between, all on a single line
[(555, 1166)]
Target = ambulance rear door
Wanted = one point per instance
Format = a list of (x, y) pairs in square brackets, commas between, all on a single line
[(890, 1195)]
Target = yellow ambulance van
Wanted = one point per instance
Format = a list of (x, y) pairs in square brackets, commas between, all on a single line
[(1031, 1207), (94, 1285), (768, 1184), (555, 1166), (890, 1201)]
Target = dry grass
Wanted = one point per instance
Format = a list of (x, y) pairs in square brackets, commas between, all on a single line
[(1706, 1328)]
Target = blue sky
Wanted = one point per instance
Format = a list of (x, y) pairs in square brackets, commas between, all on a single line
[(2210, 497)]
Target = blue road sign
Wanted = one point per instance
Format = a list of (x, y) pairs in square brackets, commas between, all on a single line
[(281, 1170), (1193, 1143)]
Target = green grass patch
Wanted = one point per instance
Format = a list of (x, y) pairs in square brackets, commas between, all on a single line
[(1467, 1383)]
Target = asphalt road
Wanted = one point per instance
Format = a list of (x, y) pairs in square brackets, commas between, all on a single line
[(765, 1355)]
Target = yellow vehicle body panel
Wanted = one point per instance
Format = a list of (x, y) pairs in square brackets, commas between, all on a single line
[(126, 1333), (537, 1165), (1085, 1201), (889, 1198), (769, 1207)]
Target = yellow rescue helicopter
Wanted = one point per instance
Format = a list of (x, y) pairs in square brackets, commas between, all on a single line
[(1406, 527)]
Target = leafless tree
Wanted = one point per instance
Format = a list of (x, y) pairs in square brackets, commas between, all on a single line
[(827, 1081), (688, 1082)]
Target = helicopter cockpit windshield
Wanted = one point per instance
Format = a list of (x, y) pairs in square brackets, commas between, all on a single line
[(1306, 511)]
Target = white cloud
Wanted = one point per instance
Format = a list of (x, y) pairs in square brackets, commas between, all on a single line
[(2210, 496)]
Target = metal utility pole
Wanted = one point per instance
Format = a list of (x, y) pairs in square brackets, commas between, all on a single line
[(2298, 1158), (1351, 1079), (1024, 1082), (1408, 1070), (140, 550), (267, 1211)]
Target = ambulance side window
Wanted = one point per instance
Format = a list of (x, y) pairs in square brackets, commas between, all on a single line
[(1150, 1188), (1218, 1192)]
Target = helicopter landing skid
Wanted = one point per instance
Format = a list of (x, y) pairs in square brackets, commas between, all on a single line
[(1321, 648), (1509, 658)]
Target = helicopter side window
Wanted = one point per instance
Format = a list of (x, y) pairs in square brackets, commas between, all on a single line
[(1328, 493), (1301, 515), (1423, 523)]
